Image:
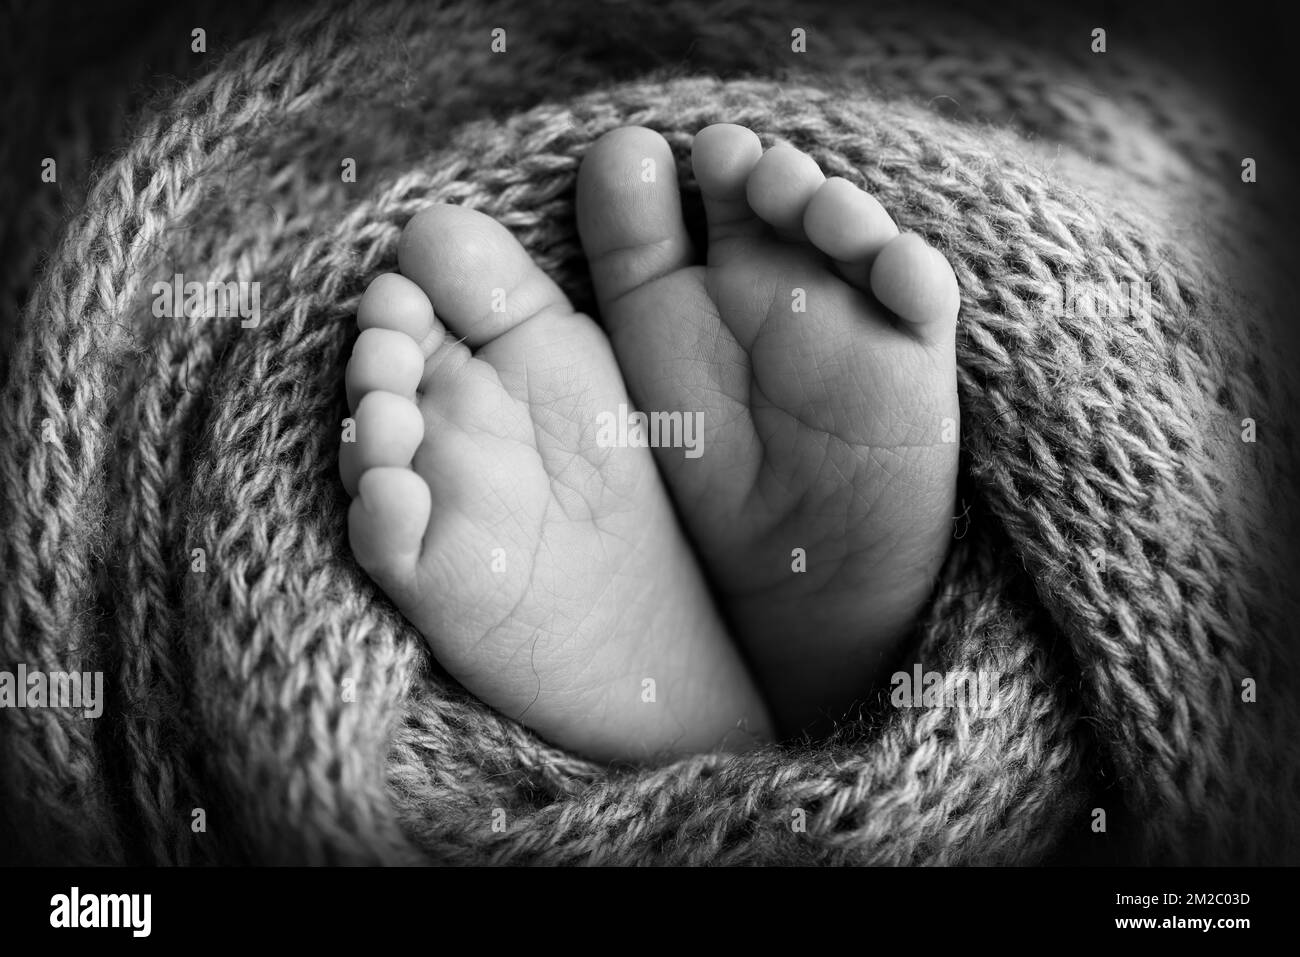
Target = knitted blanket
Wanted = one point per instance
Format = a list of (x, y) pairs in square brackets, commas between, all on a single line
[(172, 515)]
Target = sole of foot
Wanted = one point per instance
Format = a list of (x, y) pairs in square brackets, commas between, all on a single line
[(817, 345), (548, 574)]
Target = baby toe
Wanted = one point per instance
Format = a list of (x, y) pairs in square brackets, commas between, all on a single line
[(850, 226), (780, 187), (630, 214), (914, 281), (386, 525), (387, 431), (395, 303), (386, 361), (722, 157)]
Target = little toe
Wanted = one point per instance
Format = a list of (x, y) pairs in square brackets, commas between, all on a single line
[(630, 213), (914, 281), (388, 430), (723, 156), (850, 226), (386, 526), (480, 281), (386, 361), (780, 187)]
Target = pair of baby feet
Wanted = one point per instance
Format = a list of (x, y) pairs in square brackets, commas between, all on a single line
[(719, 599)]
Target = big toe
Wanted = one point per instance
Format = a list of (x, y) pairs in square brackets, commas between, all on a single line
[(480, 281), (629, 213)]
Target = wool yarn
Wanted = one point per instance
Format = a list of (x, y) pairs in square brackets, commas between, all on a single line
[(172, 514)]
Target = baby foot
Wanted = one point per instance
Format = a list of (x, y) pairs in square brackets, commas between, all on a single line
[(818, 344), (549, 575)]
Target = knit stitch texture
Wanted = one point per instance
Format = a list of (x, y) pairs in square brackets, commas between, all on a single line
[(1121, 561)]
